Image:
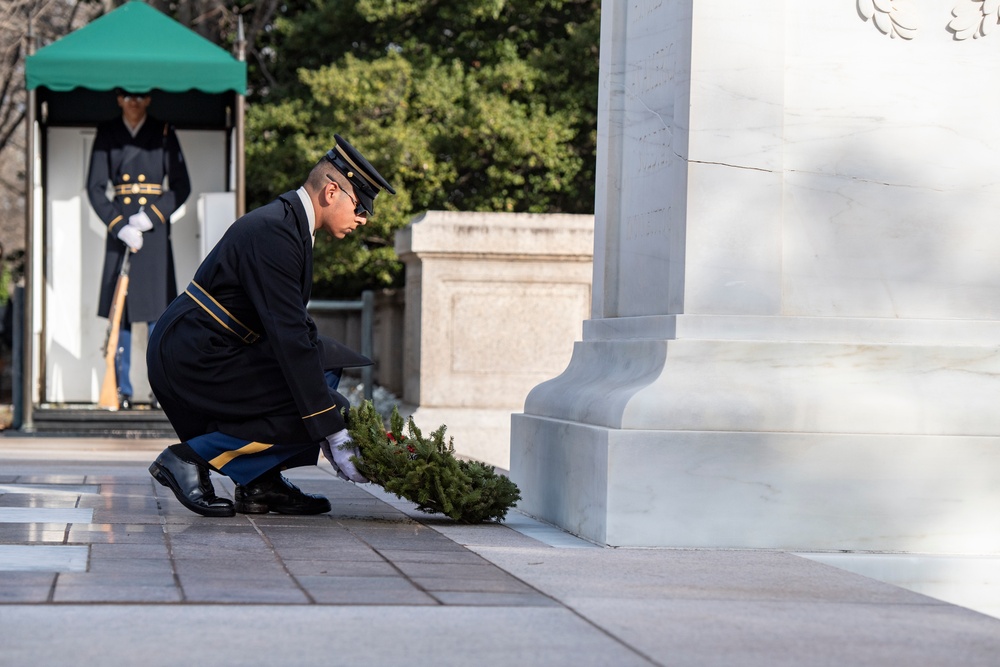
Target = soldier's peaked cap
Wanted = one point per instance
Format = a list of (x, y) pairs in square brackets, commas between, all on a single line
[(363, 176)]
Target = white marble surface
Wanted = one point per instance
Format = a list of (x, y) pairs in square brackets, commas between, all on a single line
[(796, 314), (860, 330), (888, 167), (814, 166), (794, 491), (781, 386)]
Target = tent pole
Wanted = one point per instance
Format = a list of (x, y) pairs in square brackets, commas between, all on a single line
[(241, 206), (27, 339), (241, 203)]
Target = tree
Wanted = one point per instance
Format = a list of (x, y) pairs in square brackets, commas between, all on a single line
[(49, 21), (474, 105)]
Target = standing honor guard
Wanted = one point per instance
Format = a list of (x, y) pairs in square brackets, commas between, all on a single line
[(141, 159), (237, 364)]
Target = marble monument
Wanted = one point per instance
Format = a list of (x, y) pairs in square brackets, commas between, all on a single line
[(795, 320)]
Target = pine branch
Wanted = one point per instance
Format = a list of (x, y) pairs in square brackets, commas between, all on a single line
[(425, 470)]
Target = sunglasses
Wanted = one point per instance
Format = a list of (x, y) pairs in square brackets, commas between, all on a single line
[(359, 209), (129, 97)]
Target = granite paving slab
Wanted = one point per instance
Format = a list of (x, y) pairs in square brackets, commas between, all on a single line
[(133, 542), (377, 582)]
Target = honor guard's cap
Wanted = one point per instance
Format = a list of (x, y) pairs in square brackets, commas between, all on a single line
[(363, 176)]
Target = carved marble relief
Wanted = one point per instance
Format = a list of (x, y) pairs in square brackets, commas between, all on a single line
[(898, 18), (974, 18), (892, 17)]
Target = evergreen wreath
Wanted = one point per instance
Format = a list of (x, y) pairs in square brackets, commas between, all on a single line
[(425, 470)]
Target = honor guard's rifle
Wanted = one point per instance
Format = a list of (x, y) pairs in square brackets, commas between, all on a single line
[(109, 389)]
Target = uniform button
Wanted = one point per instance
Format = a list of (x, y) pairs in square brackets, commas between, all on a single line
[(127, 200), (142, 177), (142, 201), (125, 177)]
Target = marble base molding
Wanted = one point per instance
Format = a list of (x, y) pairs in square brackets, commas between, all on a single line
[(884, 443), (740, 490)]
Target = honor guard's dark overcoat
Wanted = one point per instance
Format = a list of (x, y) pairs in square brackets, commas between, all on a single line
[(138, 169), (237, 352)]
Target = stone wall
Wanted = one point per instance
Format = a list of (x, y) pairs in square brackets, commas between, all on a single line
[(345, 326), (494, 303)]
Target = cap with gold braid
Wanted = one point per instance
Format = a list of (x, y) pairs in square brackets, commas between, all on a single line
[(366, 180)]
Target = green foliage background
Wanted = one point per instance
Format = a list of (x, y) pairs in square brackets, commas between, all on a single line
[(469, 105)]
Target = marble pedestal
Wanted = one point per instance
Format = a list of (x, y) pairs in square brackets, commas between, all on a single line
[(796, 298), (853, 434)]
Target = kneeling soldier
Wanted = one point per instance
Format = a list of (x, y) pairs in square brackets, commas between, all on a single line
[(236, 361)]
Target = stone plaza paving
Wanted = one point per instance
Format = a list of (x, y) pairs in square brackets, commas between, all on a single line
[(99, 565)]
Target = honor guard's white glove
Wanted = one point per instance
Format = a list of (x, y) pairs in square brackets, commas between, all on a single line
[(338, 450), (131, 237), (140, 221)]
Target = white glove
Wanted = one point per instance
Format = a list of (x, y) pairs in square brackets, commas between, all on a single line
[(140, 221), (338, 450), (131, 237)]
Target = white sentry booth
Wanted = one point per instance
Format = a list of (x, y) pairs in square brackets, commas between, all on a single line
[(196, 86)]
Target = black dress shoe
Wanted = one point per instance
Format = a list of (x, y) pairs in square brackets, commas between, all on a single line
[(277, 494), (191, 484)]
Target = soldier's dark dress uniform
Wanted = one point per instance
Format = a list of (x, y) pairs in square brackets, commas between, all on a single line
[(236, 361), (137, 168), (235, 358)]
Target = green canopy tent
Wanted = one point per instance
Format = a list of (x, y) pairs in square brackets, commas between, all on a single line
[(137, 48), (195, 85)]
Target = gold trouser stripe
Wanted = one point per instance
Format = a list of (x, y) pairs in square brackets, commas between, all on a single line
[(226, 457), (320, 412)]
